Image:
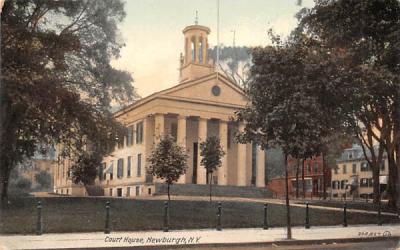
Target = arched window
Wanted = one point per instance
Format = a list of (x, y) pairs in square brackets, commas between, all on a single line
[(201, 46), (193, 49)]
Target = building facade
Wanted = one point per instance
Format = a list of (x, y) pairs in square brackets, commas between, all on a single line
[(200, 105), (352, 177)]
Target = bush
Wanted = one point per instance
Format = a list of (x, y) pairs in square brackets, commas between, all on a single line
[(23, 184), (43, 178)]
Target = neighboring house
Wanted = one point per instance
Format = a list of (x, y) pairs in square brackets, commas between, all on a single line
[(352, 176), (200, 105), (313, 178), (39, 162)]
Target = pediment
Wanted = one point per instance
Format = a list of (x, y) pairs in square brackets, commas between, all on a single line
[(212, 89)]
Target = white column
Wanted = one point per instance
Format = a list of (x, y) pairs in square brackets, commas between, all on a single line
[(158, 133), (181, 140), (159, 127), (205, 47), (260, 178), (241, 160), (144, 152), (187, 51), (201, 171), (223, 170)]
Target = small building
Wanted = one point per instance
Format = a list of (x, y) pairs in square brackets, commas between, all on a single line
[(200, 105), (40, 162), (313, 178), (352, 177)]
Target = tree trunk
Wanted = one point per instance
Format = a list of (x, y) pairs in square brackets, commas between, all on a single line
[(289, 226), (397, 163), (323, 176), (396, 136), (210, 183), (392, 182), (376, 186), (4, 178), (4, 191), (297, 178), (169, 197), (302, 179)]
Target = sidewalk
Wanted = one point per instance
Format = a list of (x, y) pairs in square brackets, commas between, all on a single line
[(203, 237)]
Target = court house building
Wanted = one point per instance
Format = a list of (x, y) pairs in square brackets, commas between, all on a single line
[(200, 105)]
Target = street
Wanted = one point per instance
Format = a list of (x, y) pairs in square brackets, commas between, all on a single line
[(381, 245)]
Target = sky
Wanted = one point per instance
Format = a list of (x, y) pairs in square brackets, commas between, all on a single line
[(152, 32)]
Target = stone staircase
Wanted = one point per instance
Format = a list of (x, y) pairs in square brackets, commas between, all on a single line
[(203, 190), (94, 190)]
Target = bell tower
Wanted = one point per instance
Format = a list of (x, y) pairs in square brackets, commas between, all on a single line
[(194, 62)]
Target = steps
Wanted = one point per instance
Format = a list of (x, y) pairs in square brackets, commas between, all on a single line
[(94, 190), (203, 190)]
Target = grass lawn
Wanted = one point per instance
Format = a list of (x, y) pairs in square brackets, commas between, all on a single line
[(79, 214)]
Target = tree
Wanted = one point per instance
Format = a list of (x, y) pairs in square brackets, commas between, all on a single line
[(57, 83), (44, 179), (23, 184), (234, 62), (362, 37), (84, 170), (167, 161), (289, 106), (211, 152)]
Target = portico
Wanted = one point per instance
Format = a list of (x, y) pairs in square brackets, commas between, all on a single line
[(190, 130)]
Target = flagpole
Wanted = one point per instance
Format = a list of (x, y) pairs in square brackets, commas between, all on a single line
[(217, 63)]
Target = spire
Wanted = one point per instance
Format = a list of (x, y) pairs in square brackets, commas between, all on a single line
[(196, 21)]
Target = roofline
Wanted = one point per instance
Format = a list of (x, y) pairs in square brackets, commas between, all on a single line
[(200, 27)]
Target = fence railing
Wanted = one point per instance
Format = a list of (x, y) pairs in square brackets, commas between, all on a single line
[(218, 218)]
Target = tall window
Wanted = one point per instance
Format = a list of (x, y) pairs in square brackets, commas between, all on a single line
[(350, 155), (120, 168), (336, 169), (354, 168), (139, 132), (383, 165), (129, 138), (121, 142), (363, 182), (365, 166), (174, 131), (344, 169), (201, 45), (112, 170), (370, 182), (343, 184), (139, 165), (315, 168), (129, 166), (193, 49), (101, 170), (229, 136), (308, 168)]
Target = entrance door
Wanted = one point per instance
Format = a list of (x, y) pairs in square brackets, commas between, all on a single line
[(195, 152)]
